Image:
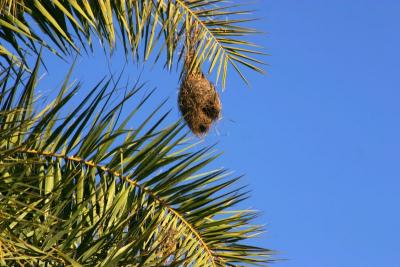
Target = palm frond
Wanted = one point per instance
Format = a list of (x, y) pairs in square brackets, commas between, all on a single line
[(150, 26), (80, 189)]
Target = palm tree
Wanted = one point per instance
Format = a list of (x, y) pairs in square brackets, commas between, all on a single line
[(78, 188)]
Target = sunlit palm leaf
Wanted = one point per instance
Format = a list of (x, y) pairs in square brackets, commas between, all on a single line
[(147, 25), (83, 190)]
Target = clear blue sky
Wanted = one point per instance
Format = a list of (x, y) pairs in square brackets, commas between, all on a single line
[(318, 137)]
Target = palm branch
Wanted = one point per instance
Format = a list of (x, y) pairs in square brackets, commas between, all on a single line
[(144, 27), (78, 188)]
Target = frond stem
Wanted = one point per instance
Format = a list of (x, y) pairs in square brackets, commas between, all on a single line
[(133, 183), (190, 11)]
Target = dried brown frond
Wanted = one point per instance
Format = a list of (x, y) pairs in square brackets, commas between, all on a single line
[(11, 6)]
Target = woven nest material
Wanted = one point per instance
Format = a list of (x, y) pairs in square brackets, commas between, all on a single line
[(199, 103)]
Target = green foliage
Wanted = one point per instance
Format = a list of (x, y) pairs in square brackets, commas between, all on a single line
[(80, 189), (159, 26)]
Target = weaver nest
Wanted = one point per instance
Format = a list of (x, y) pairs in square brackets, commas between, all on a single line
[(199, 103)]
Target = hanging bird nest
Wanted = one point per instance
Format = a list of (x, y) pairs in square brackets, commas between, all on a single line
[(199, 103), (198, 99)]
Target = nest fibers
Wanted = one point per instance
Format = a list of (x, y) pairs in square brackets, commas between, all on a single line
[(198, 102)]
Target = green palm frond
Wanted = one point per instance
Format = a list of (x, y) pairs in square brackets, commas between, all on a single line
[(80, 189), (144, 27)]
